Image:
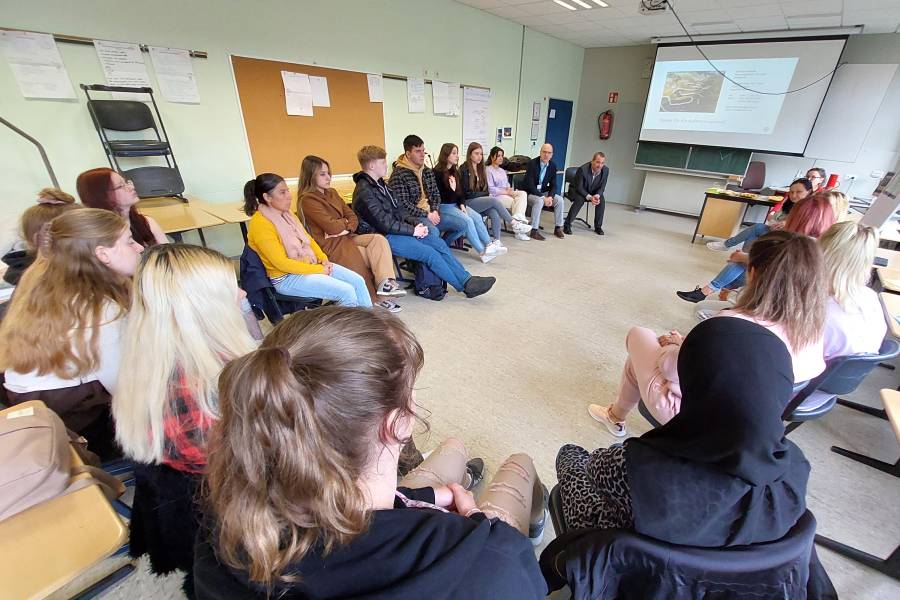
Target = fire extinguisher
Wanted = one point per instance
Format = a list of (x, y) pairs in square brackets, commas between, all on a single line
[(605, 123)]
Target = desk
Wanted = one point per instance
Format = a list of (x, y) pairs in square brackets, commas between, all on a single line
[(891, 304), (228, 212), (889, 279), (889, 233), (722, 213), (178, 218), (891, 256)]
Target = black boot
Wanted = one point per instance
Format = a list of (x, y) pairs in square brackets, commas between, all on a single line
[(567, 228)]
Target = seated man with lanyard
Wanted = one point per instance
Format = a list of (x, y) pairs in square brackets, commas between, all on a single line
[(588, 186), (540, 185), (416, 189)]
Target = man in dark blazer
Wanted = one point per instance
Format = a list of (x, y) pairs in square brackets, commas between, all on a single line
[(540, 185), (588, 186)]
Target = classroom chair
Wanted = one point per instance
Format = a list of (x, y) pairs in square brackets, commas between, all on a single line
[(842, 375), (754, 179), (570, 177), (261, 294), (617, 563)]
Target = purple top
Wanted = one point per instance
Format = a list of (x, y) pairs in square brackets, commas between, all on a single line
[(497, 181)]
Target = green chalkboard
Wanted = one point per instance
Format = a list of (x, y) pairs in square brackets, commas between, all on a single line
[(729, 161), (656, 154)]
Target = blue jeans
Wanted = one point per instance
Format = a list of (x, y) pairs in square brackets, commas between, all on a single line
[(343, 286), (492, 208), (731, 276), (748, 235), (432, 251), (452, 227), (470, 221)]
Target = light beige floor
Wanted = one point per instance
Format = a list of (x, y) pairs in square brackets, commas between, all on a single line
[(515, 369)]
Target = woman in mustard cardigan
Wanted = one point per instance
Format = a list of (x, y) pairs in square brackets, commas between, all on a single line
[(294, 262)]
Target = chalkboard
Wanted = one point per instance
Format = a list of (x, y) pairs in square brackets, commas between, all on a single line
[(706, 159), (729, 161), (657, 154)]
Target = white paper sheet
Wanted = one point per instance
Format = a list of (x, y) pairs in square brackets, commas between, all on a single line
[(123, 65), (440, 97), (454, 96), (376, 87), (415, 94), (175, 74), (476, 117), (297, 94), (36, 64), (319, 86)]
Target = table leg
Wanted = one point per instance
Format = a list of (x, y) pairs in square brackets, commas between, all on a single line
[(699, 218)]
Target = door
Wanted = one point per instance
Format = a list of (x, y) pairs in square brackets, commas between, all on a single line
[(559, 118)]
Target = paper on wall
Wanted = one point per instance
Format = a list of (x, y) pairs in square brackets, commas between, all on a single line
[(454, 97), (476, 116), (36, 64), (376, 87), (123, 65), (440, 97), (175, 74), (297, 94), (415, 94), (319, 87)]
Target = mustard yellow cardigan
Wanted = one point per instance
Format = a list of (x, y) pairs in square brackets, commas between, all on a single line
[(263, 237)]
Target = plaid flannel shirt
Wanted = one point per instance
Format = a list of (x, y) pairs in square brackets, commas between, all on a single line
[(185, 427), (404, 187)]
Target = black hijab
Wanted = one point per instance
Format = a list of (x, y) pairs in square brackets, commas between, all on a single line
[(721, 472)]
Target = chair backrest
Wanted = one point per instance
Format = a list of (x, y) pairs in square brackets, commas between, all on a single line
[(843, 374), (155, 181), (755, 178), (570, 174), (616, 563), (122, 115)]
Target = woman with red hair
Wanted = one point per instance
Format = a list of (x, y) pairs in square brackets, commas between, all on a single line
[(106, 189), (811, 217)]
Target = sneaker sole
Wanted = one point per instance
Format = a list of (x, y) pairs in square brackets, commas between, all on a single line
[(539, 538), (609, 426)]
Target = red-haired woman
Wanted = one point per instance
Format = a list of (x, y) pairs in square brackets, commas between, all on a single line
[(106, 189)]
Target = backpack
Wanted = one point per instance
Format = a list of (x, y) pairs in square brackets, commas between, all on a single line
[(428, 285), (36, 460)]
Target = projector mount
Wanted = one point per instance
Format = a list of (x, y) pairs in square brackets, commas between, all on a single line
[(654, 7)]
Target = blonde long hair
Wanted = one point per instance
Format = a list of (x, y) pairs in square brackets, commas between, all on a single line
[(301, 419), (849, 250), (184, 321), (62, 299)]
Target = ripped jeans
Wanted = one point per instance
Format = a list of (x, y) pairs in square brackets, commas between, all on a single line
[(514, 495)]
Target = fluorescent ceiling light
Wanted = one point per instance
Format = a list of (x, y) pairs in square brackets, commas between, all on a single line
[(601, 3), (564, 5), (582, 3)]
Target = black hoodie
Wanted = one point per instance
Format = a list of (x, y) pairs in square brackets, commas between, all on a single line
[(18, 261), (407, 554)]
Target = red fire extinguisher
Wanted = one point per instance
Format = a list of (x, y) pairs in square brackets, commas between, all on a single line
[(605, 123)]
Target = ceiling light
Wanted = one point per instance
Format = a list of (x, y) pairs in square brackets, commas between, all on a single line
[(582, 3), (601, 3), (564, 5)]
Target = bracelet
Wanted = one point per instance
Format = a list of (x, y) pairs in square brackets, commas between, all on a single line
[(472, 511)]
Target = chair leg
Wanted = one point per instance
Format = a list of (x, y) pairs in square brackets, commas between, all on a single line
[(587, 213), (889, 566), (884, 467), (875, 412), (792, 426), (106, 583)]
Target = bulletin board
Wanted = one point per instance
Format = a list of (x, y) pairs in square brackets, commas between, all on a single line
[(278, 142)]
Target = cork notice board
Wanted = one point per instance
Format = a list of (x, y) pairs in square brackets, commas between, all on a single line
[(278, 142)]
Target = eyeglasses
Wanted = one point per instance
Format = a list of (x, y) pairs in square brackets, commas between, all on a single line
[(126, 183)]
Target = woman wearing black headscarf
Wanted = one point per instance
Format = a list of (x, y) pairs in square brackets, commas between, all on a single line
[(720, 473)]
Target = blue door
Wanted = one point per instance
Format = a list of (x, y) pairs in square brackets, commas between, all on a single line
[(559, 118)]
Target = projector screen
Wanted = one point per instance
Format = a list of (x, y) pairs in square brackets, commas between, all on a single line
[(690, 103)]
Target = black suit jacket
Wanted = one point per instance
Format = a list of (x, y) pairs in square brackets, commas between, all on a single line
[(531, 185), (582, 186)]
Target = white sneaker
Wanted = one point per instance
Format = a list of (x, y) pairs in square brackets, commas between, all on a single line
[(601, 415), (717, 246), (523, 237), (521, 227), (499, 248), (520, 218), (491, 249), (487, 257), (390, 306)]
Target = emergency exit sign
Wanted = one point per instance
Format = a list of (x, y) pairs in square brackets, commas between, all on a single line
[(613, 97)]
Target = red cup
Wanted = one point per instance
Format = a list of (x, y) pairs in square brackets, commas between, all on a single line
[(833, 181)]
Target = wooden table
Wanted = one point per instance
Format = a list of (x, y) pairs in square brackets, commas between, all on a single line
[(46, 546), (888, 279), (891, 256), (889, 233), (891, 304), (180, 217), (722, 214)]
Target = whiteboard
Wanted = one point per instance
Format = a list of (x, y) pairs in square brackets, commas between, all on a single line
[(476, 117), (850, 106)]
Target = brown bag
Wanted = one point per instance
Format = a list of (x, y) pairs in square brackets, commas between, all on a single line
[(36, 460)]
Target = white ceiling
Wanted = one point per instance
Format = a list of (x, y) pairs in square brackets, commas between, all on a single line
[(622, 25)]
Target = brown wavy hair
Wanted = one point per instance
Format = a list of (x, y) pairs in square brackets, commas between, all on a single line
[(95, 190), (62, 299), (443, 167), (50, 204), (309, 168), (787, 285), (299, 419), (480, 183)]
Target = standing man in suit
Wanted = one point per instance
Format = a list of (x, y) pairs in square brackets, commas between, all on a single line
[(588, 186), (540, 185)]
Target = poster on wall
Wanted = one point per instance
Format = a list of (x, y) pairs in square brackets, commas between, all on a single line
[(297, 94), (535, 130), (35, 62), (319, 87), (454, 97), (415, 94), (440, 97), (175, 74), (476, 116), (536, 111), (123, 65), (376, 87)]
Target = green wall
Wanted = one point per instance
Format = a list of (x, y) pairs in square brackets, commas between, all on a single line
[(431, 38)]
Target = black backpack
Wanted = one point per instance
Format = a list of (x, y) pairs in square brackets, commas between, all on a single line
[(428, 285)]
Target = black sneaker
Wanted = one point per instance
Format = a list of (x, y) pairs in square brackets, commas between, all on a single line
[(474, 472), (695, 295), (599, 231), (477, 286), (536, 530), (567, 229)]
